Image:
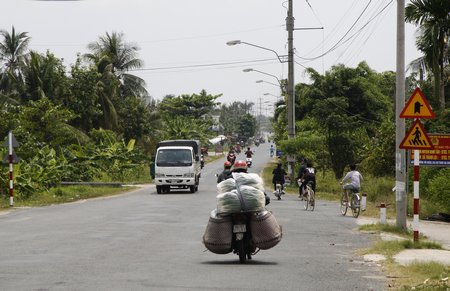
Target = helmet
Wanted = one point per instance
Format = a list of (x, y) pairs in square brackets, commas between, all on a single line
[(240, 165), (227, 165)]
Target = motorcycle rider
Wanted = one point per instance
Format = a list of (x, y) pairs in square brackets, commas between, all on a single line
[(249, 153), (226, 173), (278, 177), (272, 150), (241, 167), (231, 157)]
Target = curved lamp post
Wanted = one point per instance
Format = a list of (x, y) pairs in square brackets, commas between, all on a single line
[(281, 58)]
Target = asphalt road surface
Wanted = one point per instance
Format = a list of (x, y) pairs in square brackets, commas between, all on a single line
[(144, 241)]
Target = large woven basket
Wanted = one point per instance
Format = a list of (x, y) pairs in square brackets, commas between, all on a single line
[(219, 235), (266, 232)]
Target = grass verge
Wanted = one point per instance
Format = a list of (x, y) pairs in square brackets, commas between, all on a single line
[(416, 276), (64, 194)]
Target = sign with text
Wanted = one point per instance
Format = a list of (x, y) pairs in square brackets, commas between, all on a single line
[(439, 155)]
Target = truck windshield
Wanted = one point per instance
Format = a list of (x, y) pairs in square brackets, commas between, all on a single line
[(174, 158)]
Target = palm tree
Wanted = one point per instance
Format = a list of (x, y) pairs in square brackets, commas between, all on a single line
[(433, 16), (106, 88), (13, 50), (123, 59)]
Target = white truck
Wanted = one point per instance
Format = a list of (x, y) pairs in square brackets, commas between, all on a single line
[(177, 165)]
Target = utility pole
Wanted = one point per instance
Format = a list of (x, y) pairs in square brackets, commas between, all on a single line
[(400, 160), (290, 85)]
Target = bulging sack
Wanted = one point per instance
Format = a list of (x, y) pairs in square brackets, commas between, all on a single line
[(229, 202), (266, 232), (218, 234)]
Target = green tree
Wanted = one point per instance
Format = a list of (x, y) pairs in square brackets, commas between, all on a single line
[(123, 58), (246, 127), (195, 105), (231, 114), (44, 76), (13, 50), (433, 18), (183, 127)]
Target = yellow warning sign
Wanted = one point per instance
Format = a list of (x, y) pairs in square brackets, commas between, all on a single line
[(417, 107), (416, 138)]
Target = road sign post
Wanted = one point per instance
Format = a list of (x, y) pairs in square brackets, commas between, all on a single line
[(12, 158), (416, 139)]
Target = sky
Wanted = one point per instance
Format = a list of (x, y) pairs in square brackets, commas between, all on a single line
[(183, 42)]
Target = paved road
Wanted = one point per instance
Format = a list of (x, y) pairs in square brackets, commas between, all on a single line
[(145, 241)]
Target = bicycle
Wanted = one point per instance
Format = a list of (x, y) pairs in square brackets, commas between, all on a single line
[(309, 197), (355, 203)]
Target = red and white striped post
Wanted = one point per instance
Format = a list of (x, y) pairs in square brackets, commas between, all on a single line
[(11, 184), (382, 213), (415, 223)]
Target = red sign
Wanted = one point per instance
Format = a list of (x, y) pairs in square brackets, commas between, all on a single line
[(439, 155)]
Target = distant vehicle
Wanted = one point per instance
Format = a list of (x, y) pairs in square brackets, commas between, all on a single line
[(177, 165)]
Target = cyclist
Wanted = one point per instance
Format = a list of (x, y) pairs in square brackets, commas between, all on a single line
[(226, 173), (308, 175), (278, 177), (354, 179), (300, 174)]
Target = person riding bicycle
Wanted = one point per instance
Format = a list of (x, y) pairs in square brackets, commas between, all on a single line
[(226, 173), (278, 177), (308, 175), (299, 176), (272, 150), (354, 179), (241, 167)]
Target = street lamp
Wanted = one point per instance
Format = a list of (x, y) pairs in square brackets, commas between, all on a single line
[(253, 70), (266, 94), (262, 81), (281, 58)]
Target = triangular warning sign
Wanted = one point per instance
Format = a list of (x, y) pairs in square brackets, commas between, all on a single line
[(417, 106), (416, 138)]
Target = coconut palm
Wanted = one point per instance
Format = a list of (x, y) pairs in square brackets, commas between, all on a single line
[(13, 50), (433, 17), (123, 59)]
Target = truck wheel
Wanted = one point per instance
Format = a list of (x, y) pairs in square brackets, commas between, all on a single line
[(192, 188), (158, 189)]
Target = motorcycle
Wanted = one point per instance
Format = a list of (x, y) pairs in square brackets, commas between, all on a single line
[(249, 162), (242, 243)]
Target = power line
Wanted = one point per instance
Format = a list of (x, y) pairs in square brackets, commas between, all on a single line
[(349, 38), (205, 65)]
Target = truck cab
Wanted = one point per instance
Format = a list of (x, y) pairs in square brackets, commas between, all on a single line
[(177, 165)]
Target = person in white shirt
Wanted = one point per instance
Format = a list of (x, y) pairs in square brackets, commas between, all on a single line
[(352, 180)]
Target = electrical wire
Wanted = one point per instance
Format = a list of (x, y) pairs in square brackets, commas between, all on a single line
[(349, 38), (272, 60)]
